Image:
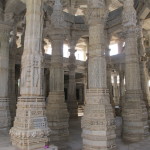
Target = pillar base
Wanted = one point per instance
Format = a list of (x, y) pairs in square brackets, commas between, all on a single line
[(135, 117), (98, 124), (73, 109), (30, 130), (58, 117), (5, 119)]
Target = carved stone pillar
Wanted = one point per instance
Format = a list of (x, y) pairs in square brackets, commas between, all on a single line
[(115, 91), (98, 126), (4, 70), (72, 101), (56, 108), (135, 125), (30, 129)]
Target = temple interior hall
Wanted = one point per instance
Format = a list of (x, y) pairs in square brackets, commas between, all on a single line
[(74, 74)]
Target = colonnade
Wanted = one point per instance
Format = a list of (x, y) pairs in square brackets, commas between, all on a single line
[(36, 122)]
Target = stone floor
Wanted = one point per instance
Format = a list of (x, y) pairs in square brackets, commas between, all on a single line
[(75, 141)]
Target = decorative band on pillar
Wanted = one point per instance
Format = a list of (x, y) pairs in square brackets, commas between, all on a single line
[(96, 127)]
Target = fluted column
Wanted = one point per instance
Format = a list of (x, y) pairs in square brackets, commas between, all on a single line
[(98, 127), (56, 108), (72, 101), (135, 125), (30, 129), (4, 70)]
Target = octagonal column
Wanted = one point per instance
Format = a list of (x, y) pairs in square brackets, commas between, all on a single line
[(30, 129), (72, 101), (135, 125), (4, 70), (98, 126)]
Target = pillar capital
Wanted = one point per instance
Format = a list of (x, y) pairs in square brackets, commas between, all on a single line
[(97, 12), (129, 14), (57, 17)]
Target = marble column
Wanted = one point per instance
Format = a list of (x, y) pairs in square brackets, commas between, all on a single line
[(30, 128), (135, 125), (98, 126), (115, 91), (72, 101), (4, 71), (56, 108)]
